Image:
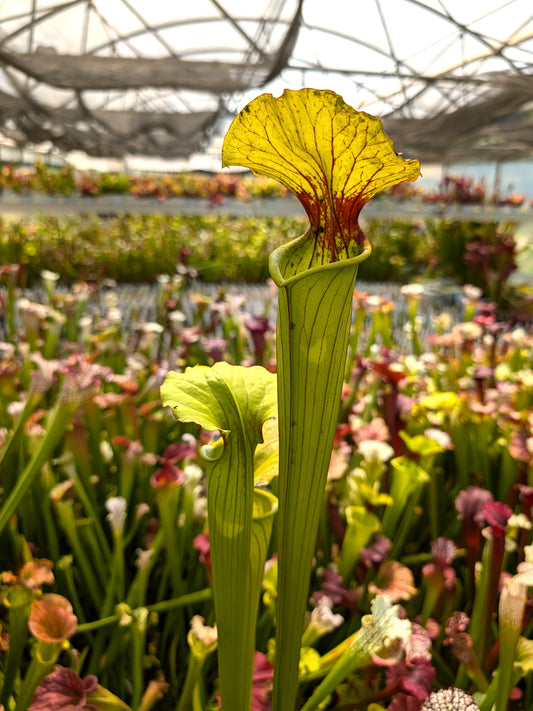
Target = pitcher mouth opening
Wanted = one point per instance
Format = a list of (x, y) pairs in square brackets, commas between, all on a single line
[(284, 271)]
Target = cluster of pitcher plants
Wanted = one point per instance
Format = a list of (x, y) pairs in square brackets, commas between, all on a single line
[(212, 510)]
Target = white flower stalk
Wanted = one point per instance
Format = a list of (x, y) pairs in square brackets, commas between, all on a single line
[(374, 451), (116, 507), (412, 290), (472, 293), (143, 558)]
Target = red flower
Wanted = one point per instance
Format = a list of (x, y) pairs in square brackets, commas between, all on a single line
[(201, 543), (63, 689), (418, 646), (169, 472), (404, 702), (376, 552), (457, 623), (262, 683), (525, 494), (441, 572), (470, 503), (387, 373), (258, 326), (332, 586), (414, 679), (496, 515)]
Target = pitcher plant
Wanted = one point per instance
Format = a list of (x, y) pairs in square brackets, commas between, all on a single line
[(333, 159)]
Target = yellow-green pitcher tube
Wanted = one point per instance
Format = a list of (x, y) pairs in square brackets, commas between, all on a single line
[(314, 317), (236, 402)]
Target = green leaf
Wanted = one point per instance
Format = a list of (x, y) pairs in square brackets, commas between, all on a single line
[(246, 394), (266, 460), (237, 402), (422, 445)]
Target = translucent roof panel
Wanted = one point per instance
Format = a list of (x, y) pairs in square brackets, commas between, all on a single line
[(451, 79)]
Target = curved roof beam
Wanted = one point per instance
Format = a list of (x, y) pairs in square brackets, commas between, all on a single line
[(178, 23)]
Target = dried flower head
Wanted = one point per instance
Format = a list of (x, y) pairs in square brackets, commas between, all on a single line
[(33, 574), (323, 619), (395, 580), (451, 699), (202, 639)]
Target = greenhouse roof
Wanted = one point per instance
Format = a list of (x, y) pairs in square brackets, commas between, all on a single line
[(452, 80)]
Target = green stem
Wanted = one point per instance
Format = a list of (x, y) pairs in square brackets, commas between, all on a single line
[(194, 669), (314, 314), (189, 599), (81, 559), (236, 401), (64, 564), (80, 470), (167, 502), (30, 406), (138, 635), (490, 696), (361, 525)]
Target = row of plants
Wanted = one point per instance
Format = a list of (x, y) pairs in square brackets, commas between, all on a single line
[(137, 249), (106, 594), (66, 181)]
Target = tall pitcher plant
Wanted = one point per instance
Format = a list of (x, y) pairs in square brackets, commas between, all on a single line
[(334, 159)]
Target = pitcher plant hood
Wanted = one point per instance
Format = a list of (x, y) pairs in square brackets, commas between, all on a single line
[(330, 156)]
